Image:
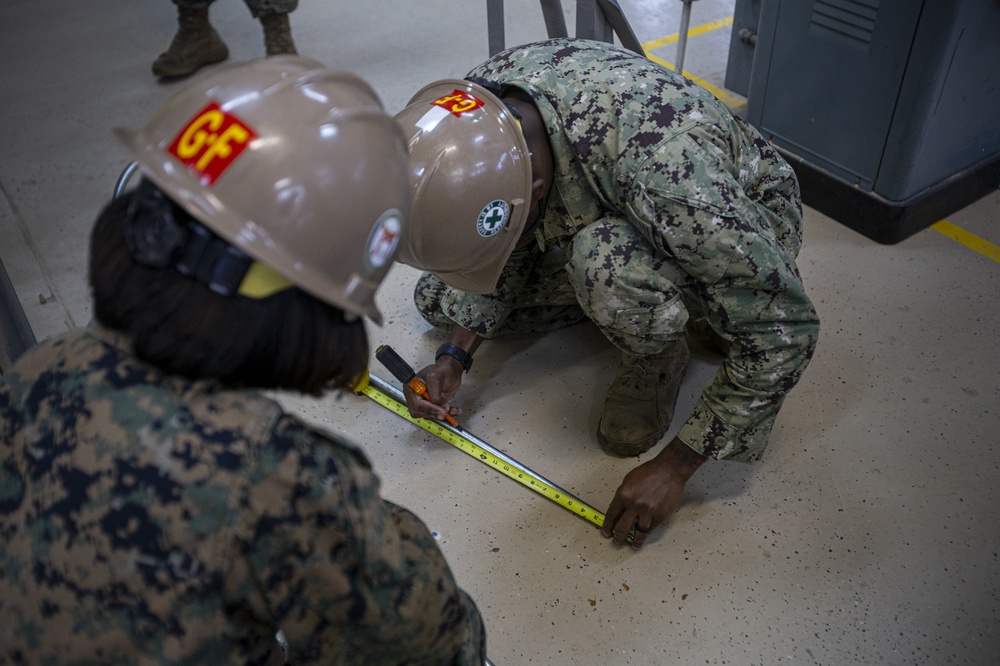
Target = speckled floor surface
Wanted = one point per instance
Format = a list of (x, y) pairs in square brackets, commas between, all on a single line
[(868, 535)]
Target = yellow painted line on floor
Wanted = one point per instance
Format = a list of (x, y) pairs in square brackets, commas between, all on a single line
[(735, 103), (692, 32), (969, 240)]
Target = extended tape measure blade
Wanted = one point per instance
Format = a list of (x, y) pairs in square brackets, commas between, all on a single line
[(390, 397)]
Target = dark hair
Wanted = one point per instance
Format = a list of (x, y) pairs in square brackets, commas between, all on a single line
[(289, 340)]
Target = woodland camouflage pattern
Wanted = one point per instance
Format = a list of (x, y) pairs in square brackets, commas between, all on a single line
[(147, 519), (668, 211)]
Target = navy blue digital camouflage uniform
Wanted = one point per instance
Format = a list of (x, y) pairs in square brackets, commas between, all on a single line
[(666, 210), (149, 519)]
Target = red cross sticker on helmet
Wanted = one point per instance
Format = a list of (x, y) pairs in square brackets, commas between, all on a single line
[(210, 142), (383, 239)]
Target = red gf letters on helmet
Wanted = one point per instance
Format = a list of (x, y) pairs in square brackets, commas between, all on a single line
[(210, 142), (459, 102)]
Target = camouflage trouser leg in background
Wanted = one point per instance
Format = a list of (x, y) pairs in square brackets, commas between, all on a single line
[(257, 7), (610, 274)]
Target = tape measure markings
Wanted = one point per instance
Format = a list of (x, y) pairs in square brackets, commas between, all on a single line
[(389, 396)]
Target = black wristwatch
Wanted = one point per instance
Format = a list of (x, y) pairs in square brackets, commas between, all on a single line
[(457, 353)]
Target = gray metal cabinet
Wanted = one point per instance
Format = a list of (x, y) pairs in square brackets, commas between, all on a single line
[(887, 109)]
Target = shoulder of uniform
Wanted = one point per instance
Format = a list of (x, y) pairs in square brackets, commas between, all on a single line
[(293, 431)]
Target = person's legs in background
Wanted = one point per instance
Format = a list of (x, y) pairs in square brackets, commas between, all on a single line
[(197, 44), (273, 16)]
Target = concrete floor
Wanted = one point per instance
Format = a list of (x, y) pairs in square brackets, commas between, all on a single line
[(869, 534)]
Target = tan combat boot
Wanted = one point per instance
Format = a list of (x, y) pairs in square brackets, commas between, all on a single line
[(195, 45), (277, 34), (640, 401)]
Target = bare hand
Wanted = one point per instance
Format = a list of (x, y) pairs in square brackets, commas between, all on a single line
[(443, 381), (650, 493)]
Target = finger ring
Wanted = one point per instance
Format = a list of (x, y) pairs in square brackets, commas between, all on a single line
[(629, 536), (638, 528)]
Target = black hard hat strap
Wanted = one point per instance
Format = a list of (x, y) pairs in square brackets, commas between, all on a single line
[(212, 261), (162, 234)]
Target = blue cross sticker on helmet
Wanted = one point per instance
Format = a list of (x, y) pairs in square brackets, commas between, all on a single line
[(492, 218)]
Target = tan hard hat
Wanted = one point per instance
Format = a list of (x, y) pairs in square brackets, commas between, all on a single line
[(471, 176), (297, 165)]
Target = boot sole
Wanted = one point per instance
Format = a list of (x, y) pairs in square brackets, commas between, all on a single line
[(179, 72)]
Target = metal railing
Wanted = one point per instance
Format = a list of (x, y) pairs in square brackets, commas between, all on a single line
[(595, 19)]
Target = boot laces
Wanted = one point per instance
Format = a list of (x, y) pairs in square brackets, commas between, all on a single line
[(636, 372)]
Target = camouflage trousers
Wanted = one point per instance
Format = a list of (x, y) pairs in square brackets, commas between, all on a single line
[(609, 274), (257, 7)]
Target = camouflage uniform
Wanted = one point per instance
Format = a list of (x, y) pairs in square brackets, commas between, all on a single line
[(257, 7), (150, 519), (665, 209)]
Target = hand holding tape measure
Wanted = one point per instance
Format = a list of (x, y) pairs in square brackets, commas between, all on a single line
[(392, 398), (402, 371)]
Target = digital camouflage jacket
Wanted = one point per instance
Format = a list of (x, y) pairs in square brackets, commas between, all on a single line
[(635, 142), (148, 519)]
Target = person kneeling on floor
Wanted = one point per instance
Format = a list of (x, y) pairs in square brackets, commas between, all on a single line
[(572, 180)]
